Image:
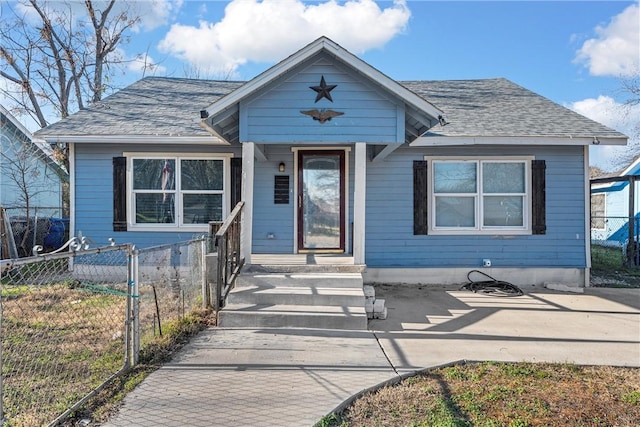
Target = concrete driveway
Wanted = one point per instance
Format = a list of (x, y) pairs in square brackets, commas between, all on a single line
[(429, 326), (293, 377)]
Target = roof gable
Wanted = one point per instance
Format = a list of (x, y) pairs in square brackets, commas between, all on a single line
[(15, 132), (607, 184), (222, 117)]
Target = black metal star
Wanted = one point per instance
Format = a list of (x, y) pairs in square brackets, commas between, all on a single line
[(324, 90)]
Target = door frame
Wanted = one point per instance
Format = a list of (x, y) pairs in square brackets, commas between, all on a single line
[(344, 193)]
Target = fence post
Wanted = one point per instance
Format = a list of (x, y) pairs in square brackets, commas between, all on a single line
[(128, 330), (211, 272), (631, 245), (136, 309), (206, 294), (132, 331)]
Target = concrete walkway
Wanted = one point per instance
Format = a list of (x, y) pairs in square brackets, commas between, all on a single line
[(293, 377)]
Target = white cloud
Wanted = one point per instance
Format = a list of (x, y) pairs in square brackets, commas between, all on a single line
[(268, 30), (617, 116), (615, 51), (155, 13), (604, 110)]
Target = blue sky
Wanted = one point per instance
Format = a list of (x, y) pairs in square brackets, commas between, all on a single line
[(573, 52)]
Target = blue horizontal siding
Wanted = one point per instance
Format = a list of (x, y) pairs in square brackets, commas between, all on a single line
[(274, 115), (389, 208), (94, 194), (269, 218), (389, 224), (278, 220)]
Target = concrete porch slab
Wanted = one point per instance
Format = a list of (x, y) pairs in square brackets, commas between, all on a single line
[(302, 259), (293, 377), (430, 326)]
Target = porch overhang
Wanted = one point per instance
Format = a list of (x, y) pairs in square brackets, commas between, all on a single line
[(222, 118), (384, 153)]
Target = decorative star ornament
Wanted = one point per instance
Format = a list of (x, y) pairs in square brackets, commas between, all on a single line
[(323, 90)]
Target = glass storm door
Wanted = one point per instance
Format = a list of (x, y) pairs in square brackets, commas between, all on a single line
[(321, 200)]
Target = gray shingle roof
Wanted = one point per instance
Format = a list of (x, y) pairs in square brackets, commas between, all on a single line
[(491, 107), (499, 107), (149, 107)]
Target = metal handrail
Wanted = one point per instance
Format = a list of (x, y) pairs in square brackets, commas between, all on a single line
[(232, 216)]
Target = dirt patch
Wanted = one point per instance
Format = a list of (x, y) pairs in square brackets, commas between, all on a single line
[(503, 394), (615, 279)]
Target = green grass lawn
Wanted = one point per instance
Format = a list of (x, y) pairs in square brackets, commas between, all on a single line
[(608, 268)]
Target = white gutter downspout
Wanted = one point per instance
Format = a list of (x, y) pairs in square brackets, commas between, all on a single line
[(359, 203), (72, 189), (248, 152), (587, 216)]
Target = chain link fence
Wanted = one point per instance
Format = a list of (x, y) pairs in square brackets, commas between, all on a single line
[(73, 321), (64, 327), (610, 242), (171, 284)]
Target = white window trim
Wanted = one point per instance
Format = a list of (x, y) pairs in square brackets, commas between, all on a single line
[(526, 229), (179, 226), (604, 215)]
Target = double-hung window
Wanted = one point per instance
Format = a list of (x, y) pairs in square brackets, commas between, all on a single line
[(480, 196), (176, 191)]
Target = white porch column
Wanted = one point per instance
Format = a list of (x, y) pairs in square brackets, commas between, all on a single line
[(248, 160), (359, 200)]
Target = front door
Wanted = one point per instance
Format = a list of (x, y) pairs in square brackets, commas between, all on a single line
[(321, 223)]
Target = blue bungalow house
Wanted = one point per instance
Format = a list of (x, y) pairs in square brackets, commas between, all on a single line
[(31, 191), (611, 207), (417, 181), (28, 172)]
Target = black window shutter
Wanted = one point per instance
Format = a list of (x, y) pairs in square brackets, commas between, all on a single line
[(236, 181), (119, 194), (538, 197), (420, 197)]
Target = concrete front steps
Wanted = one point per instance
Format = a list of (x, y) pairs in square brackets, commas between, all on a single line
[(297, 297)]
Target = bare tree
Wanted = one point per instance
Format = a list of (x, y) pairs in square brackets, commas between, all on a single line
[(595, 172), (28, 176), (66, 57), (198, 72), (630, 88)]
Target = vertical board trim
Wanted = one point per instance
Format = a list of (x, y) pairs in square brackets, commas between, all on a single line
[(538, 196), (236, 181), (420, 215), (119, 194)]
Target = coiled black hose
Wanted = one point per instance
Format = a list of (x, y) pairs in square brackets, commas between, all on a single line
[(492, 286)]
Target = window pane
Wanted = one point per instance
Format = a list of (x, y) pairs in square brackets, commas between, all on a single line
[(154, 174), (454, 177), (202, 208), (455, 212), (155, 208), (500, 211), (503, 177), (201, 174)]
